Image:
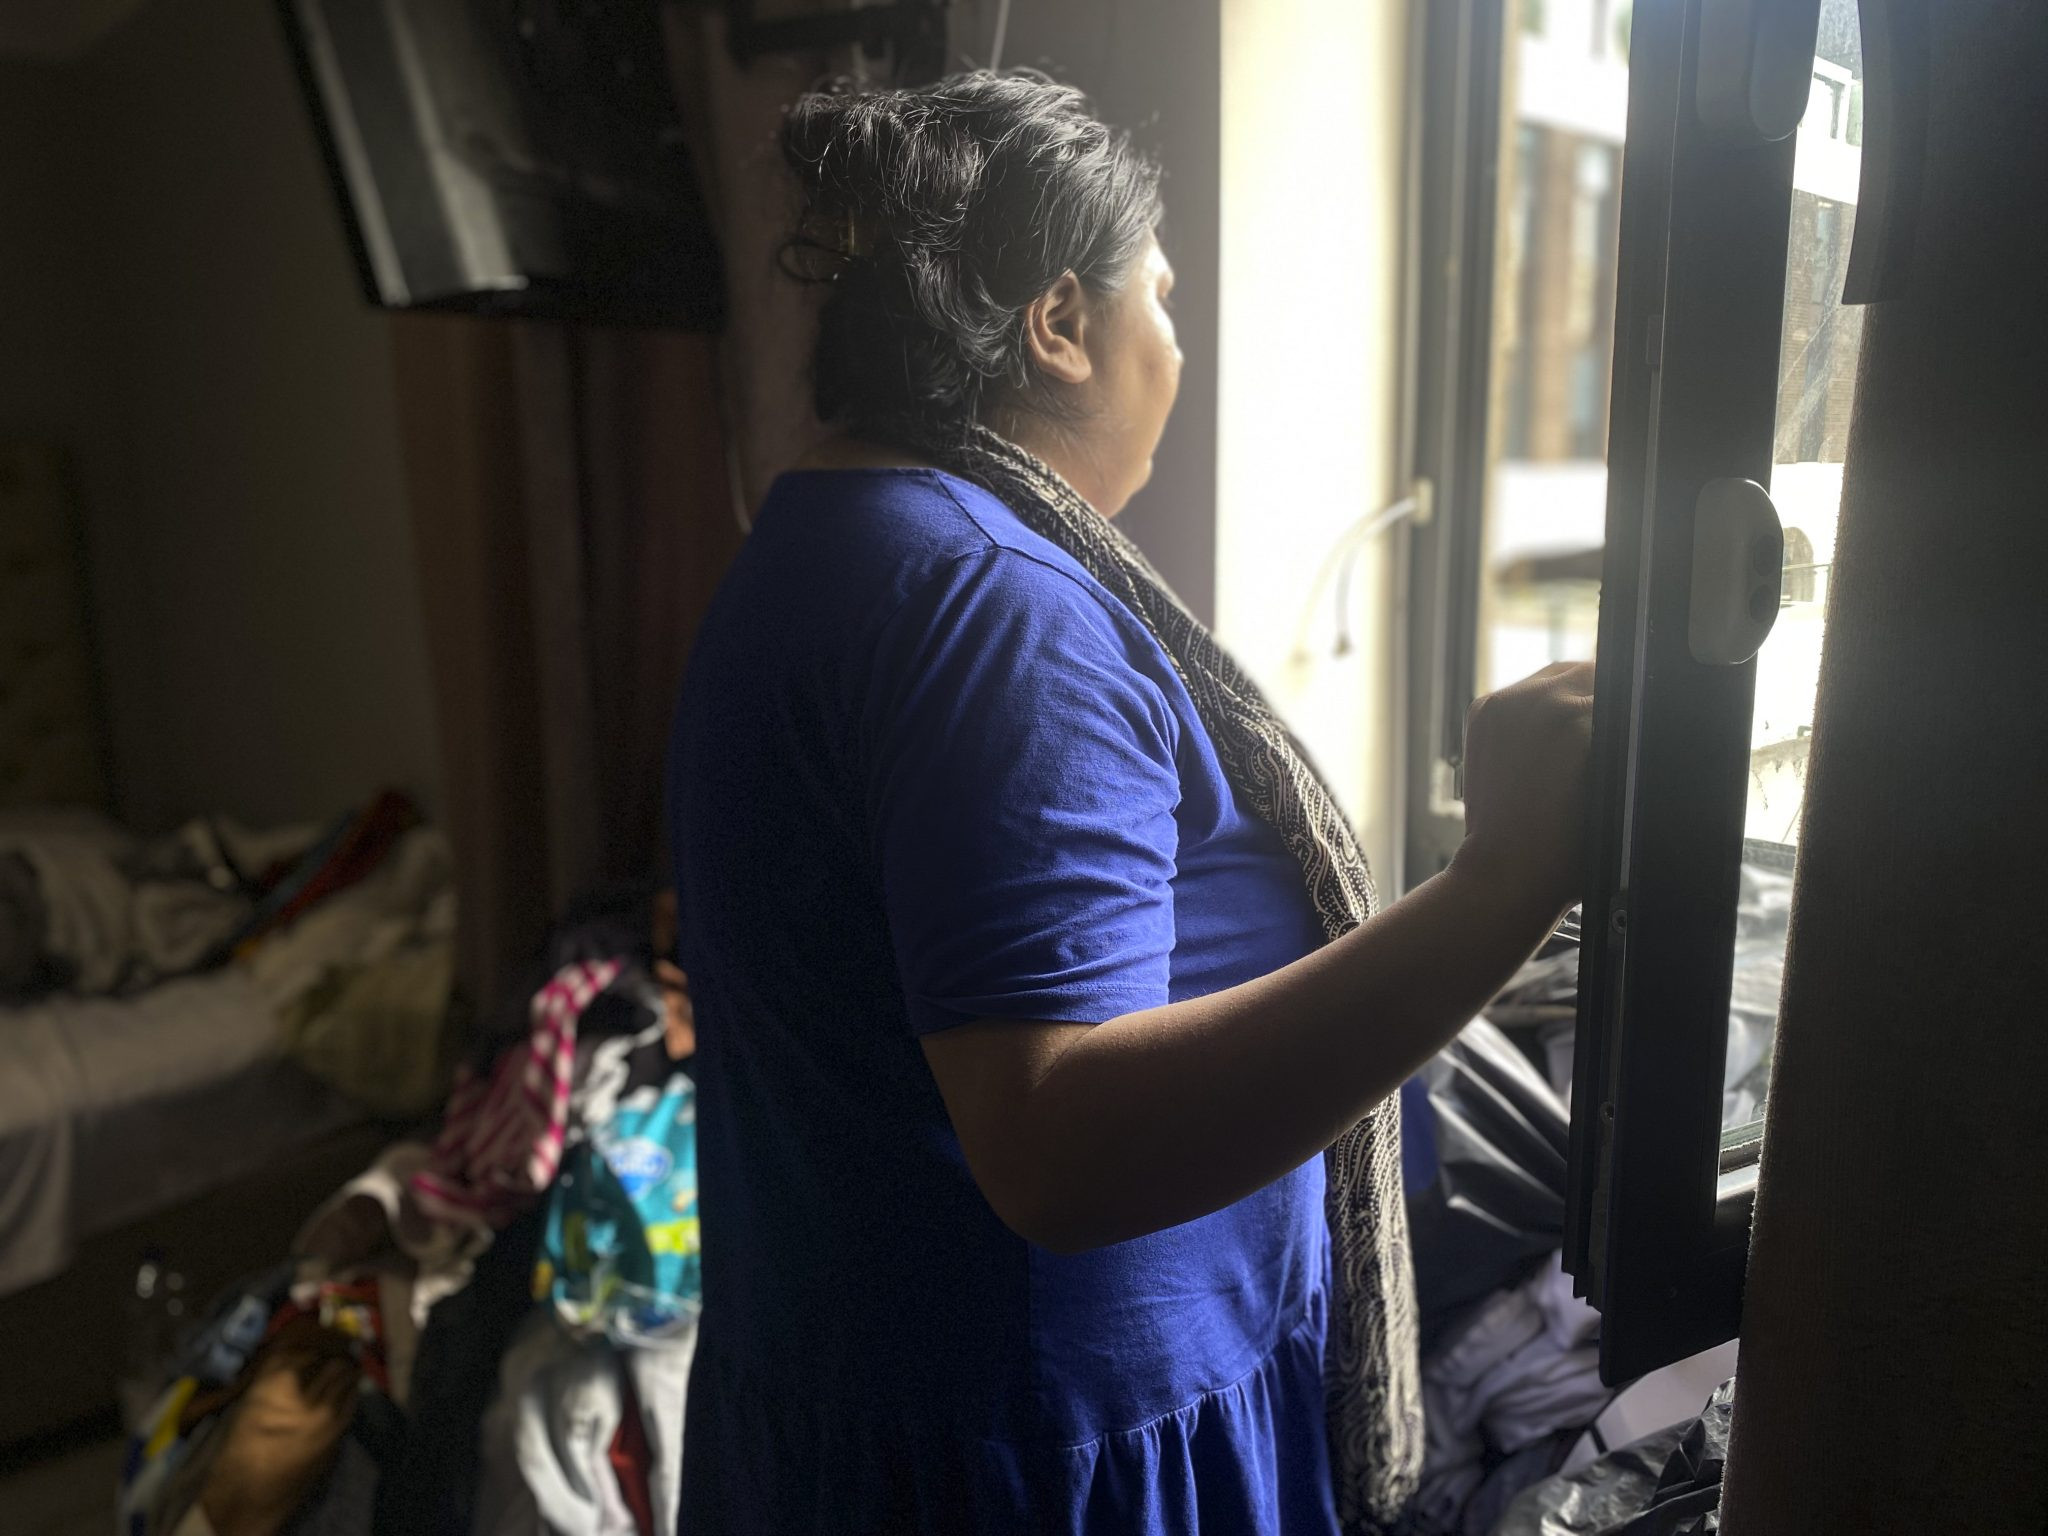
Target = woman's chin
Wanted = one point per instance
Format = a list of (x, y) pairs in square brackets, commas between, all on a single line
[(1135, 484)]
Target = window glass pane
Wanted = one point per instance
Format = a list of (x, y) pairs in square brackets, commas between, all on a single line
[(1816, 380), (1566, 84)]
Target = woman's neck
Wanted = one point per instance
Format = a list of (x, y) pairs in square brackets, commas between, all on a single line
[(1065, 453), (844, 451)]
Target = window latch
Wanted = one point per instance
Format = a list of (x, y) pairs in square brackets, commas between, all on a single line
[(1738, 572)]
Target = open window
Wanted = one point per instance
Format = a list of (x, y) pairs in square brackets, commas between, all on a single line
[(1733, 370), (1628, 290)]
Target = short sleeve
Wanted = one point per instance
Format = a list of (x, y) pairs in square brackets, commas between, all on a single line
[(1021, 787)]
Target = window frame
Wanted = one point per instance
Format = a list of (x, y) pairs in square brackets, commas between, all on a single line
[(1657, 1213), (1454, 128), (1657, 1221)]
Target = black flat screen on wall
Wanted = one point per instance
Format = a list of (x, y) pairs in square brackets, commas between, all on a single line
[(511, 157)]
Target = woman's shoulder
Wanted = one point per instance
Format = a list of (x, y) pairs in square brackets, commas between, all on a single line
[(915, 518), (926, 549), (819, 491)]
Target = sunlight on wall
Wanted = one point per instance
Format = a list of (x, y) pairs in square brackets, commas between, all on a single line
[(1312, 143)]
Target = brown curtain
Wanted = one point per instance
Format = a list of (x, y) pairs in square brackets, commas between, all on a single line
[(576, 496), (572, 514), (733, 117)]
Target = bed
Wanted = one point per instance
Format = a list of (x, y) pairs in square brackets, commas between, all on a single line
[(181, 1115), (114, 1108), (205, 1114)]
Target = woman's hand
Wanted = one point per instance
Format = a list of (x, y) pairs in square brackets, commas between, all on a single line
[(1526, 751), (679, 1015)]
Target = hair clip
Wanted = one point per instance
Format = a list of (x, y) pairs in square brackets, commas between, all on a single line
[(853, 244), (823, 247)]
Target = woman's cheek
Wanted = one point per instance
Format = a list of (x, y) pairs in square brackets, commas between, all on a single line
[(1170, 366)]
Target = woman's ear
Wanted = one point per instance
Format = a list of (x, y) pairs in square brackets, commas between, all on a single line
[(1056, 332)]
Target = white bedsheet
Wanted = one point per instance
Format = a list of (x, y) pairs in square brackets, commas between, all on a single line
[(113, 1107)]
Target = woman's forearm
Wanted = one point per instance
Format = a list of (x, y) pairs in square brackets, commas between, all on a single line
[(1097, 1134)]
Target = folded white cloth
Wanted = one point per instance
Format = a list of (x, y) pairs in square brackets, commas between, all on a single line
[(179, 923), (78, 860), (1524, 1366), (545, 1440)]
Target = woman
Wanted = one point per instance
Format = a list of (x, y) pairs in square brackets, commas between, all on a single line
[(1027, 954)]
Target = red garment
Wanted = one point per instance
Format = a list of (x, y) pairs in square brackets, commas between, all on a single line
[(356, 851), (631, 1457), (501, 1139)]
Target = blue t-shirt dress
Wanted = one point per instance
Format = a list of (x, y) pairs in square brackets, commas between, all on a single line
[(927, 770)]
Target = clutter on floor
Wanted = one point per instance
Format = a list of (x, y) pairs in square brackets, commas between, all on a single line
[(1666, 1484), (490, 1331), (1511, 1385), (1504, 1397), (1510, 1362)]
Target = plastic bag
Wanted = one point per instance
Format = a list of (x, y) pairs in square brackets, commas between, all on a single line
[(1666, 1484), (1493, 1203), (620, 1253)]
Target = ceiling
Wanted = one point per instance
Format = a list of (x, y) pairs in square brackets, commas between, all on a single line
[(58, 29)]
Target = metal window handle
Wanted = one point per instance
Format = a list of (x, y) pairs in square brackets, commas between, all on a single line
[(1738, 572), (1755, 66)]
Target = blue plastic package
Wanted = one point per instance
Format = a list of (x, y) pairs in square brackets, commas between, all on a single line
[(621, 1251)]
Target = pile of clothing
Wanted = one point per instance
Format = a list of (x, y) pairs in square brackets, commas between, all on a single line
[(488, 1332), (347, 931), (1504, 1398), (87, 908)]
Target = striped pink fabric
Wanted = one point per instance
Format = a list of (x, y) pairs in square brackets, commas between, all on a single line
[(501, 1137)]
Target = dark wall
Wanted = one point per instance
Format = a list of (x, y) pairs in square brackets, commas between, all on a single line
[(181, 319)]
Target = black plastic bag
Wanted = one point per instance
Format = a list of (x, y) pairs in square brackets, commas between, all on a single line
[(1491, 1203), (1666, 1484)]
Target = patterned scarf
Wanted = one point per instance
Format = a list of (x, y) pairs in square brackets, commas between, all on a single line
[(1372, 1374)]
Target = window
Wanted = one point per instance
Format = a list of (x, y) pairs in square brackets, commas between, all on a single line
[(1816, 382), (1733, 361), (1563, 92), (1521, 154), (1553, 335)]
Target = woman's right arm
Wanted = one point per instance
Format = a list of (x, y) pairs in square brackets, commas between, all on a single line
[(1081, 1135)]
